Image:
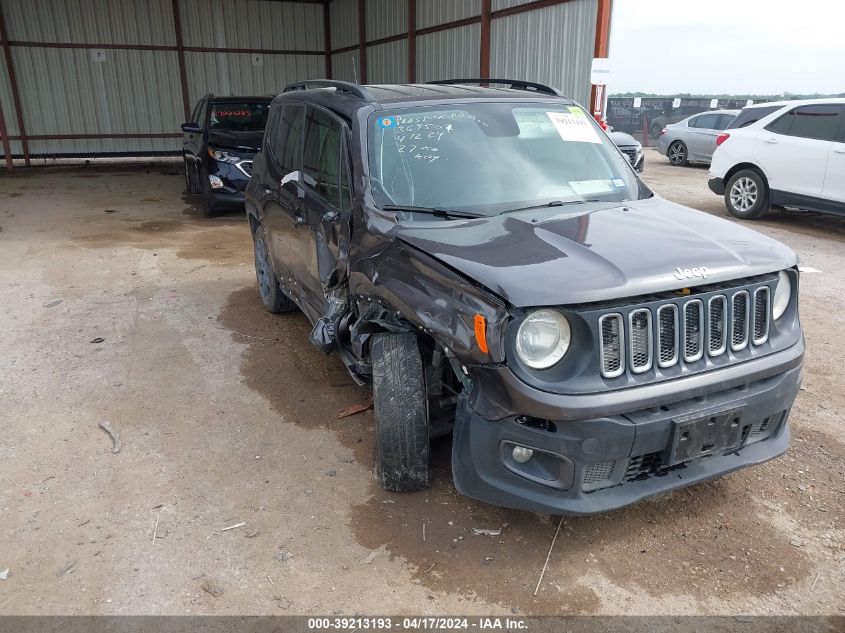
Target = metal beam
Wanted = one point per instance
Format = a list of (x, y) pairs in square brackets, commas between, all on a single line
[(486, 11), (362, 40), (327, 37), (601, 49), (412, 41), (13, 82), (180, 54), (7, 148)]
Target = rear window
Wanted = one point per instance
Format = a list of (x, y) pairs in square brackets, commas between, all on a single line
[(752, 115), (819, 122), (237, 116)]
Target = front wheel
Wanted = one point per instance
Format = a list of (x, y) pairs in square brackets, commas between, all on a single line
[(268, 284), (401, 412), (747, 195), (677, 154)]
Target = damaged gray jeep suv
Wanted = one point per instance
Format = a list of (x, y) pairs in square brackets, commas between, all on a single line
[(490, 262)]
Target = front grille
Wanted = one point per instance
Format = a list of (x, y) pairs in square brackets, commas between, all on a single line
[(717, 319), (596, 473), (631, 154), (739, 321), (640, 335), (683, 329), (761, 315), (245, 166), (612, 345), (643, 467)]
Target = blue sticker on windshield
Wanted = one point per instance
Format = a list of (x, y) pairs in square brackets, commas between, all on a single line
[(386, 121), (618, 182)]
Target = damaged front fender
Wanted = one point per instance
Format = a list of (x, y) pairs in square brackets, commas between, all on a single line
[(435, 299)]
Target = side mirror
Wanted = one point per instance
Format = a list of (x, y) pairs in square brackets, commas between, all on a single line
[(190, 127)]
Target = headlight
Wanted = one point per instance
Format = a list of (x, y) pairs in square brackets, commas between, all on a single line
[(221, 156), (782, 295), (543, 339)]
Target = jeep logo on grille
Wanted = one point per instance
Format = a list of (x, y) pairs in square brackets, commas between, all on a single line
[(688, 273)]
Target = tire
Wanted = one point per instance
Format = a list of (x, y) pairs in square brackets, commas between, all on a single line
[(209, 205), (271, 294), (677, 153), (191, 185), (747, 195), (401, 412)]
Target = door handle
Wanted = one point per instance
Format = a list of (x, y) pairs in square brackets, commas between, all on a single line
[(771, 141), (298, 219), (839, 151)]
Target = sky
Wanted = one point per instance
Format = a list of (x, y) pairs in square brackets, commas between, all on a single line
[(727, 46)]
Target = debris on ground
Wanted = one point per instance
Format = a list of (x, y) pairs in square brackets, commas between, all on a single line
[(66, 568), (53, 304), (283, 556), (368, 560), (98, 339), (284, 603), (354, 409), (232, 527), (115, 437), (486, 532), (308, 491), (212, 588), (253, 534), (85, 522), (4, 575), (331, 473)]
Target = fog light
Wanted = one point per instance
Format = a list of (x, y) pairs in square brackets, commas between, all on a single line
[(522, 454), (216, 183)]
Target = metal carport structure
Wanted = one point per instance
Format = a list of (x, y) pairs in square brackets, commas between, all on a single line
[(92, 78)]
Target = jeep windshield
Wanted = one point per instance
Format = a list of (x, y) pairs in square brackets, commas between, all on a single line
[(239, 116), (492, 158)]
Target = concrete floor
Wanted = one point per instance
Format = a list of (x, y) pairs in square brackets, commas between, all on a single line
[(227, 415)]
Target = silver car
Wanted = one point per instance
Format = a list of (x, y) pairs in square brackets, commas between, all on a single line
[(694, 138)]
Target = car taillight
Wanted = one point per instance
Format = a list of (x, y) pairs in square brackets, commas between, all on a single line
[(724, 136), (663, 131)]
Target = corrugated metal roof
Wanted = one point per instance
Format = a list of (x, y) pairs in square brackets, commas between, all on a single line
[(344, 23), (553, 46), (435, 12), (252, 24), (449, 54), (386, 18), (388, 63), (91, 21)]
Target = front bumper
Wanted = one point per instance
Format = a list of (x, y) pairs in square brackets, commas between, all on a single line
[(234, 179), (717, 186), (613, 458)]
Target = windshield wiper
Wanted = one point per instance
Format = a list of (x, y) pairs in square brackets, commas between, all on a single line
[(553, 203), (440, 212)]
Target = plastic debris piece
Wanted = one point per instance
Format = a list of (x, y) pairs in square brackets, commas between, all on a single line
[(98, 339), (232, 527), (4, 575), (66, 568), (115, 437), (354, 409), (486, 532)]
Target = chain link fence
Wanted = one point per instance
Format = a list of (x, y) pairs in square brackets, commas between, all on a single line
[(644, 117)]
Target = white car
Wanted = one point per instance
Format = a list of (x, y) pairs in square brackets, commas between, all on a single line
[(787, 154)]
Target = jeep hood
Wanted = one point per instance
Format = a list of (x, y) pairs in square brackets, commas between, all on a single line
[(596, 251)]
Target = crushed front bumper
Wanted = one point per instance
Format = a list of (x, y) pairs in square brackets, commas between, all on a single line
[(605, 461)]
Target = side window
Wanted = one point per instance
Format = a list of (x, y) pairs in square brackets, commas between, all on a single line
[(706, 121), (285, 144), (271, 133), (322, 153), (724, 121), (820, 122), (196, 113), (345, 183), (201, 112)]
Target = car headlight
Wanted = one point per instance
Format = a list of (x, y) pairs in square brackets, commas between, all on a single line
[(783, 293), (543, 339), (221, 156)]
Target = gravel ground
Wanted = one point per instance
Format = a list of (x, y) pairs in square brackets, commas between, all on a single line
[(227, 415)]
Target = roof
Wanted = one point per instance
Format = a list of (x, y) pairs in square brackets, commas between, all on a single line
[(346, 98), (798, 102)]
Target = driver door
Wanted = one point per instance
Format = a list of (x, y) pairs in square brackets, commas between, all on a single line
[(322, 239)]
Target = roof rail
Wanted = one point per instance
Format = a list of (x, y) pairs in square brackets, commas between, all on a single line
[(511, 83), (356, 90)]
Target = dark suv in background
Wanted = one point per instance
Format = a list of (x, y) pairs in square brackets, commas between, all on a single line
[(492, 264), (220, 141)]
